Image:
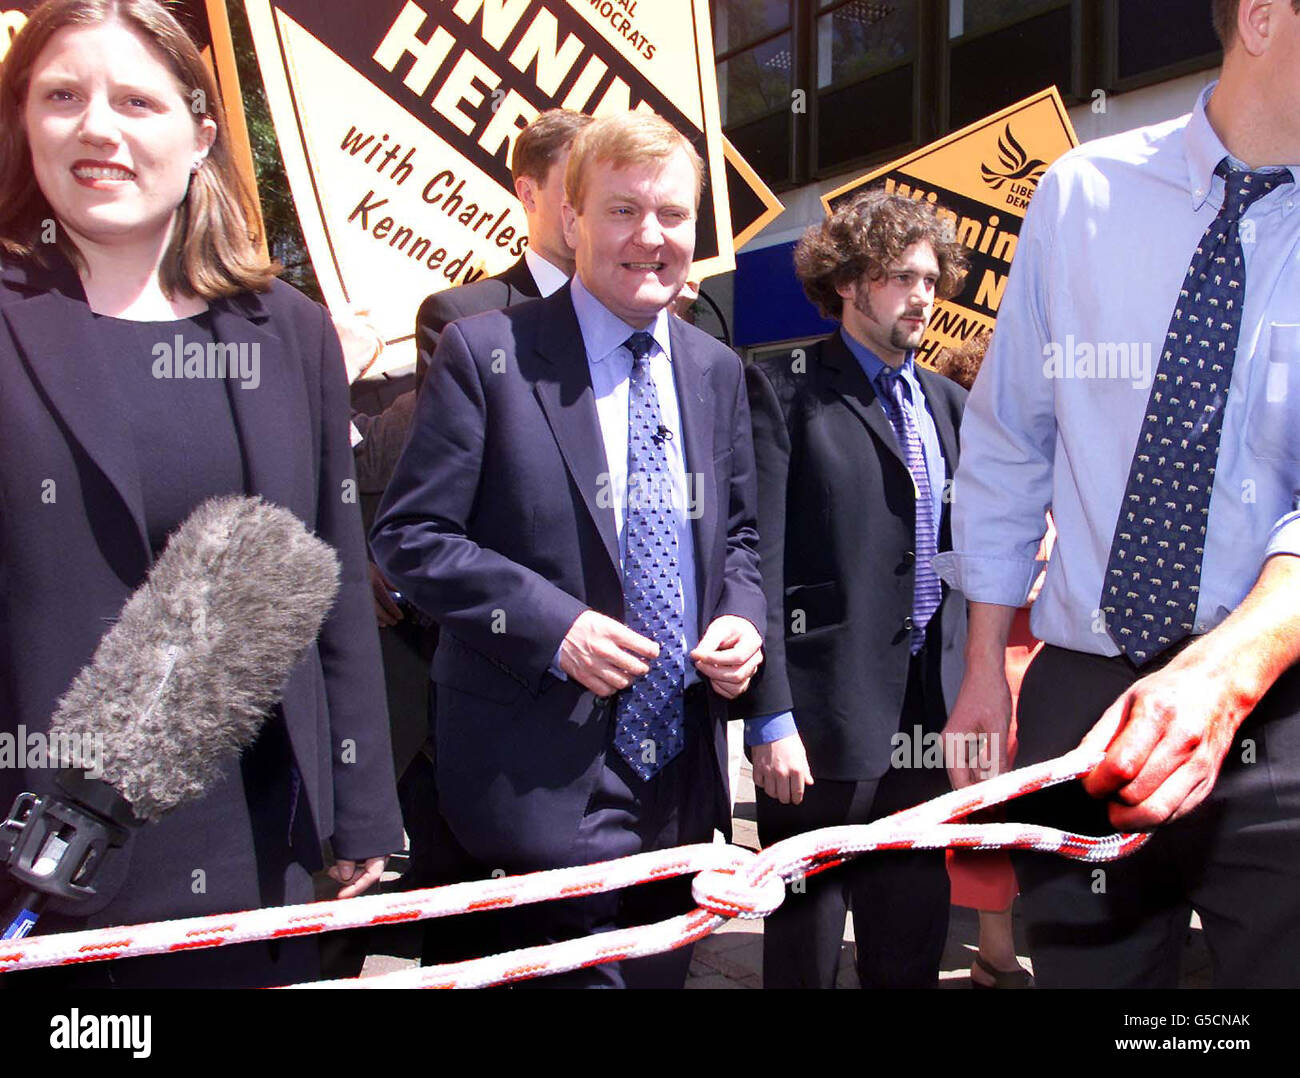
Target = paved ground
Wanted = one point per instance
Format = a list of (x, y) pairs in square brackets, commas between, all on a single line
[(732, 957)]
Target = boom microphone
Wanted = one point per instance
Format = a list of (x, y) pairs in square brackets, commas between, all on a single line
[(175, 690)]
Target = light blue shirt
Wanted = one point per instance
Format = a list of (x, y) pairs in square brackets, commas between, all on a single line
[(604, 337), (1054, 416)]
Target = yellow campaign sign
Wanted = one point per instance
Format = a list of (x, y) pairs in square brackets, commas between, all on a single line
[(983, 177), (396, 120)]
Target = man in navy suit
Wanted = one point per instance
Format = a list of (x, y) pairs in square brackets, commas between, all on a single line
[(576, 508), (537, 165)]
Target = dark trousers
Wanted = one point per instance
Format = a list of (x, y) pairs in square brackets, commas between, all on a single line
[(626, 815), (899, 898), (1235, 860)]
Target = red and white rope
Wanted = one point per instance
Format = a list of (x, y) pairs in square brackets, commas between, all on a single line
[(730, 882)]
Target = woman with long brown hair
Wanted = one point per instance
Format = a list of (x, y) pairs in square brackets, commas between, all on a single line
[(124, 231)]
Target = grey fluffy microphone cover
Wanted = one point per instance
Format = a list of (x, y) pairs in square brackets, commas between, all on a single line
[(199, 655)]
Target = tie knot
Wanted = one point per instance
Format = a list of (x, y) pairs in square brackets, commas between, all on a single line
[(890, 383), (1242, 188), (640, 344)]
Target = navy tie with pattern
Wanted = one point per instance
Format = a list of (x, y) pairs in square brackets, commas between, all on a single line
[(650, 727), (928, 592), (1152, 582)]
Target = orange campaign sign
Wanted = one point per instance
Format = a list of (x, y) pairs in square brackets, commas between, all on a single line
[(396, 120), (982, 178)]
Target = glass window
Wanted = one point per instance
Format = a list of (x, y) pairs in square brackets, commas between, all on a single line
[(975, 16), (742, 22), (1186, 33), (756, 82), (765, 144), (864, 118), (997, 69), (862, 38)]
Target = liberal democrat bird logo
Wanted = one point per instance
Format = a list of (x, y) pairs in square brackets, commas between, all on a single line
[(1016, 164)]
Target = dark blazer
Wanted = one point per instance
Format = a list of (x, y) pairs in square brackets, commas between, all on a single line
[(69, 563), (494, 524), (515, 285), (838, 538)]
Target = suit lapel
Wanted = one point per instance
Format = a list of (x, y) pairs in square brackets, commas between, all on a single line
[(565, 394), (519, 281), (58, 339), (942, 419), (56, 331), (271, 417), (847, 378), (948, 442), (691, 377)]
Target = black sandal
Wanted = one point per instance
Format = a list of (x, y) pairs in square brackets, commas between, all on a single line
[(1002, 978)]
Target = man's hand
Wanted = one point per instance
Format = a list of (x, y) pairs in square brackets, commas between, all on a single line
[(781, 769), (355, 882), (1165, 739), (387, 611), (604, 655), (728, 654), (979, 723)]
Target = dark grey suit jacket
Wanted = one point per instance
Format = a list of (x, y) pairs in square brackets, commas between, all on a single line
[(515, 285), (68, 566), (494, 525), (837, 527)]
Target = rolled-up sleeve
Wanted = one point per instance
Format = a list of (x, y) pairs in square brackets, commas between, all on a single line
[(1003, 484), (1285, 536)]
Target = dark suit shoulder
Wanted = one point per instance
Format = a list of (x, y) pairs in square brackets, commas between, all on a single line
[(795, 373), (487, 294), (709, 350), (281, 300), (941, 388), (467, 299)]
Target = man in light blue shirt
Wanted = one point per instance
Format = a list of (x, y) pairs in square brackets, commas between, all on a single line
[(1166, 446)]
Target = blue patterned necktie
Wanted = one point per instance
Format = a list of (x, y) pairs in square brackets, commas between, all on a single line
[(650, 727), (928, 591), (1153, 575)]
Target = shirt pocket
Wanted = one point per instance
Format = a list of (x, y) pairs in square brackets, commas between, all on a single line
[(1273, 396)]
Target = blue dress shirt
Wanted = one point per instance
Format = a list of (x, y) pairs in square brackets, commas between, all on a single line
[(1054, 416), (610, 364)]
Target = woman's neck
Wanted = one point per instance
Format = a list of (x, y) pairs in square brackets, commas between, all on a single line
[(123, 281)]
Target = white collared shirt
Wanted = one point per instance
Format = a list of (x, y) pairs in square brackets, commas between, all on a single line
[(548, 278)]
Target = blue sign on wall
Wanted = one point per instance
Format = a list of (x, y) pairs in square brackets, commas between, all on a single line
[(769, 300)]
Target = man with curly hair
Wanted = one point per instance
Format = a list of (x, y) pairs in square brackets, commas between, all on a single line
[(855, 444)]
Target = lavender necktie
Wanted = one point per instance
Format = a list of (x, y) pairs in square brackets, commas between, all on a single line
[(928, 591)]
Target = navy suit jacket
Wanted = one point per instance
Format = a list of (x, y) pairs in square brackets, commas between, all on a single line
[(68, 565), (495, 525), (507, 288)]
